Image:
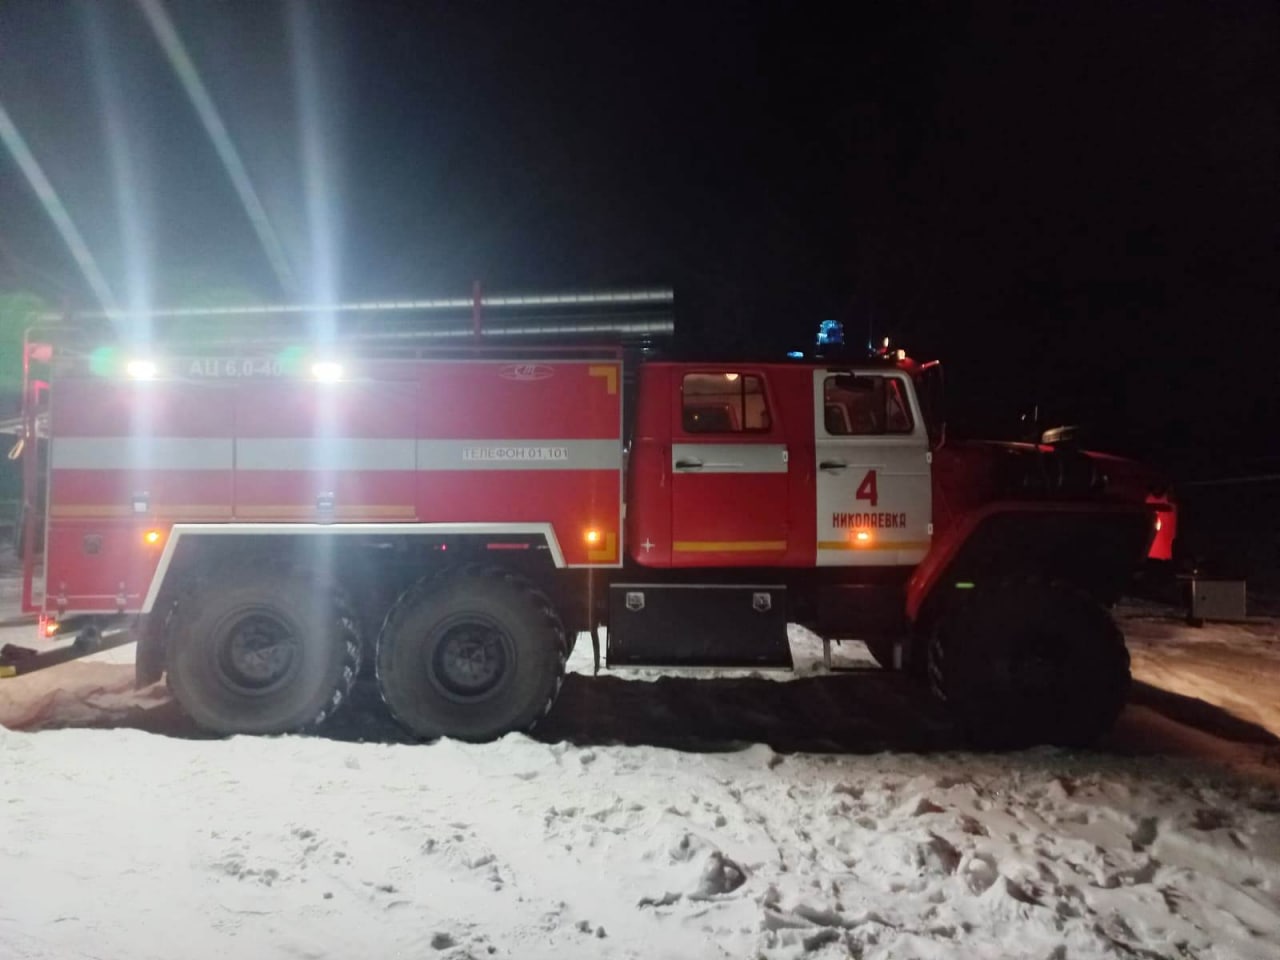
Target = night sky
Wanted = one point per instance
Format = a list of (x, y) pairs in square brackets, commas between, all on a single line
[(1075, 205)]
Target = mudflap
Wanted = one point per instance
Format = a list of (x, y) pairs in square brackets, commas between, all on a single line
[(149, 664), (701, 625)]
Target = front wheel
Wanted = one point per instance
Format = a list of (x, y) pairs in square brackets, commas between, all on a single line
[(1026, 662), (474, 653)]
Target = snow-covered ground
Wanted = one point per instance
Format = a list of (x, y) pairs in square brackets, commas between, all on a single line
[(1233, 666), (647, 818)]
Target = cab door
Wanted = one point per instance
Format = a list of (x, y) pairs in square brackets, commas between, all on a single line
[(874, 494), (729, 465)]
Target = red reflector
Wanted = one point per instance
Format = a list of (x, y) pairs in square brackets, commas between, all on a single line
[(507, 546)]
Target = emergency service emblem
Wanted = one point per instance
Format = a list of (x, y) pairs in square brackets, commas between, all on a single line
[(526, 371)]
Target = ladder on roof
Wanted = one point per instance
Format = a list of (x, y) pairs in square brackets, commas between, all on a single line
[(637, 318)]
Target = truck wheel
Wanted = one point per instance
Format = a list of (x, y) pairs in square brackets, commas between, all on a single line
[(473, 653), (1027, 662), (258, 649)]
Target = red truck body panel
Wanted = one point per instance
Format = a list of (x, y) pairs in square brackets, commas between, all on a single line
[(409, 442)]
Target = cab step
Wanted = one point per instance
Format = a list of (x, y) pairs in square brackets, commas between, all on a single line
[(698, 625)]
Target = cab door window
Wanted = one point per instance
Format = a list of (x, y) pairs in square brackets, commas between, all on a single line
[(859, 406), (724, 403)]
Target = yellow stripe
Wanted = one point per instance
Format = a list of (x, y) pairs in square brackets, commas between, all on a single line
[(610, 374), (198, 510), (206, 511), (276, 512), (894, 545), (102, 511), (6, 672), (402, 512), (727, 546), (295, 511), (94, 510)]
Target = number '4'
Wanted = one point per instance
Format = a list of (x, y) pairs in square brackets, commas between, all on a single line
[(867, 489)]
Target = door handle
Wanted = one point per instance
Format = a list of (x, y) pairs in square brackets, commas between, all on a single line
[(689, 464), (832, 465)]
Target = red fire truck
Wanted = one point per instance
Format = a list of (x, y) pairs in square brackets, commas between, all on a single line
[(449, 492)]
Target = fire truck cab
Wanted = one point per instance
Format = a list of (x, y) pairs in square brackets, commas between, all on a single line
[(449, 499), (836, 452)]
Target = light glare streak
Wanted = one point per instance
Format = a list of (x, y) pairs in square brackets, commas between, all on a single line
[(189, 77), (131, 202), (53, 206)]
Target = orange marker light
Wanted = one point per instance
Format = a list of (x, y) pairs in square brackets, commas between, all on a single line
[(862, 536), (50, 627), (151, 537), (592, 537)]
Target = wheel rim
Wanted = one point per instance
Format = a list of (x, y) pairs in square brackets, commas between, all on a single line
[(1036, 673), (257, 651), (469, 658), (1033, 669)]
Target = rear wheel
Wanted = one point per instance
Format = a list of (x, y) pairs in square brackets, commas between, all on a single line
[(255, 648), (474, 653), (1026, 662)]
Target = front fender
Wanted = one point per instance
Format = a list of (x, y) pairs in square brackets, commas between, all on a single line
[(1096, 546)]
